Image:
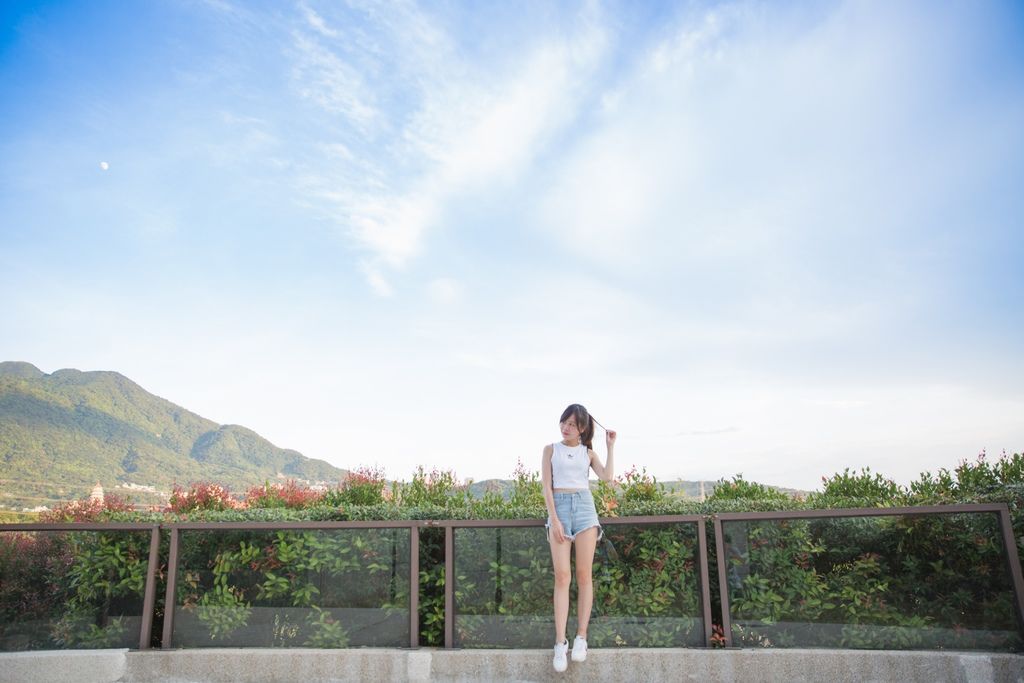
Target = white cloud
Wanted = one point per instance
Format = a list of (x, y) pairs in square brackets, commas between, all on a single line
[(336, 85), (381, 287), (464, 128), (391, 228), (317, 22)]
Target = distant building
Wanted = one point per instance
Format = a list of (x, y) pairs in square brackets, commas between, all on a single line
[(702, 496), (97, 493)]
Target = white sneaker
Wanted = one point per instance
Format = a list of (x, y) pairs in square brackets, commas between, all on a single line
[(579, 649), (560, 651)]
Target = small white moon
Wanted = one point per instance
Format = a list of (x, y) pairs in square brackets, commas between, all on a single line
[(104, 165)]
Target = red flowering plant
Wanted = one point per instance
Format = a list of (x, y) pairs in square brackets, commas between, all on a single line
[(33, 590), (201, 496), (86, 510), (290, 494)]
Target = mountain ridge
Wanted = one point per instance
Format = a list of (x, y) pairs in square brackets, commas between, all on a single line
[(60, 433)]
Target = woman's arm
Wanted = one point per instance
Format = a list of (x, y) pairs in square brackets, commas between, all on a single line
[(549, 496), (605, 472)]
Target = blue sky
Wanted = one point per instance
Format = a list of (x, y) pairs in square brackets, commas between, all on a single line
[(768, 238)]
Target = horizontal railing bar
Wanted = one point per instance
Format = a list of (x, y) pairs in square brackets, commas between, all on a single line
[(271, 526), (654, 519), (859, 512), (80, 526), (485, 522)]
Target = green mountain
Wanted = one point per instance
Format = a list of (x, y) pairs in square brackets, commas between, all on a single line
[(62, 433)]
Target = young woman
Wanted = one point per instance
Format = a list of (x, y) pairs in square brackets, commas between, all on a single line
[(572, 517)]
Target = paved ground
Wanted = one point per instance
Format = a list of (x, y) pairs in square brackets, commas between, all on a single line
[(323, 666)]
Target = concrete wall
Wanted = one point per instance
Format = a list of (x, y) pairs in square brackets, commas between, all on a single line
[(322, 666)]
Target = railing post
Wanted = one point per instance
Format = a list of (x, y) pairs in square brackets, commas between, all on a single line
[(449, 587), (1013, 563), (414, 585), (149, 599), (705, 579), (172, 582), (723, 582)]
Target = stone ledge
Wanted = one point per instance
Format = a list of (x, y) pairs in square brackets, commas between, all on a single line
[(63, 666), (334, 666)]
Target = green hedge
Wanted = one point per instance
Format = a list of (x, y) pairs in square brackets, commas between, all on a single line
[(894, 582)]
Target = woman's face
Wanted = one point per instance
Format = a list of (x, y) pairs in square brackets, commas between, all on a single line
[(570, 430)]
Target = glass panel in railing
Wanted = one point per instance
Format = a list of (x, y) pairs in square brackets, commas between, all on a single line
[(78, 589), (891, 582), (503, 587), (332, 588), (648, 587), (645, 582)]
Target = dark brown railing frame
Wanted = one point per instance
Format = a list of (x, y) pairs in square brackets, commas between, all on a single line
[(449, 525), (999, 509), (449, 554)]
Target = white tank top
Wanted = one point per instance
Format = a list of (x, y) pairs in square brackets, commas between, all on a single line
[(570, 466)]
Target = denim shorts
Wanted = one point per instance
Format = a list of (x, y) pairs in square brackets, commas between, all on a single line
[(577, 513)]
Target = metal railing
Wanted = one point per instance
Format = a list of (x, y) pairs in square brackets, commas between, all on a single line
[(450, 525), (149, 592), (414, 527), (172, 564), (1000, 510)]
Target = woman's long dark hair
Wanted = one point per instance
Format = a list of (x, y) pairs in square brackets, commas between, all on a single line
[(583, 421)]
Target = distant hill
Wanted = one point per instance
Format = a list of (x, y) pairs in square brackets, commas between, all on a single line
[(63, 432)]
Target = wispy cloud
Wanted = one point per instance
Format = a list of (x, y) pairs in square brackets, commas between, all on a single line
[(316, 22), (376, 280), (457, 127), (339, 87)]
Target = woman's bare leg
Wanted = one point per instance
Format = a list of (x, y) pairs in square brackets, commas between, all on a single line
[(560, 558), (586, 543)]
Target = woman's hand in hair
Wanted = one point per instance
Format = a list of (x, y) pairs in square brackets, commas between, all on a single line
[(609, 438)]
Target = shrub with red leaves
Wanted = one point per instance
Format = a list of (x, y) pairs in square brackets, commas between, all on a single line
[(32, 565), (201, 496), (86, 510), (291, 494)]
